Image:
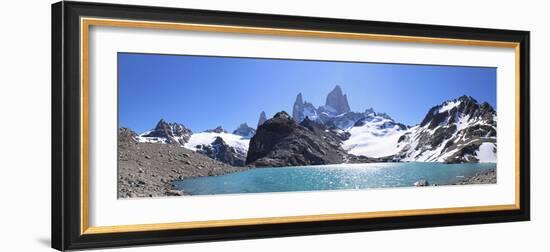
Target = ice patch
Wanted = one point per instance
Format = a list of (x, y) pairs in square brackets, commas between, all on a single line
[(486, 153)]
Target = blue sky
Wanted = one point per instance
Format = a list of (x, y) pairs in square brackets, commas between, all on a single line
[(204, 92)]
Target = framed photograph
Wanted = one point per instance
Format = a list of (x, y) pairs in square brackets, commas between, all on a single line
[(179, 125)]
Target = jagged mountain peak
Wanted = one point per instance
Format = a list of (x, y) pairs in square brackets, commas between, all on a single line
[(466, 98), (262, 119), (167, 132), (336, 104), (244, 130), (337, 89), (163, 124), (464, 108), (161, 121), (337, 101), (299, 99)]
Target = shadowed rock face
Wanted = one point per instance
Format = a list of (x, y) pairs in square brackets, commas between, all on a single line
[(280, 141), (221, 151), (338, 101), (173, 133)]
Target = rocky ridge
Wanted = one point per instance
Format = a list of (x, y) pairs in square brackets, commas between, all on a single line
[(456, 131), (169, 133)]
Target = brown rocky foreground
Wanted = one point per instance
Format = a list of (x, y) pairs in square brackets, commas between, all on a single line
[(487, 177), (149, 169)]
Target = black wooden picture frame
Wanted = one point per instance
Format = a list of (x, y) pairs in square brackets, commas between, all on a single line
[(67, 224)]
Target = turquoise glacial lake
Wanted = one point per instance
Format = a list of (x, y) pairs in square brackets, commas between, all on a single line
[(331, 177)]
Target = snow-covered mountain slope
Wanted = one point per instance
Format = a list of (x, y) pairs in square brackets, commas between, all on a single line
[(375, 135), (197, 140), (461, 130), (219, 150), (168, 133)]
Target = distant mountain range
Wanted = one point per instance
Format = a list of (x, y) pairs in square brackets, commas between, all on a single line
[(455, 131)]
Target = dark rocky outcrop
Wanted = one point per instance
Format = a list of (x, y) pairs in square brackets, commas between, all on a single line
[(221, 151), (171, 133), (281, 141)]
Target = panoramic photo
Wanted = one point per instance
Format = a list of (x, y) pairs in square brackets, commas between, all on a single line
[(208, 125)]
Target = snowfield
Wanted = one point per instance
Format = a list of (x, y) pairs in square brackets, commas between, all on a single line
[(374, 139)]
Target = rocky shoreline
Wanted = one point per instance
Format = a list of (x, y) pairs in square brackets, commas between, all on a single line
[(486, 177), (149, 169)]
